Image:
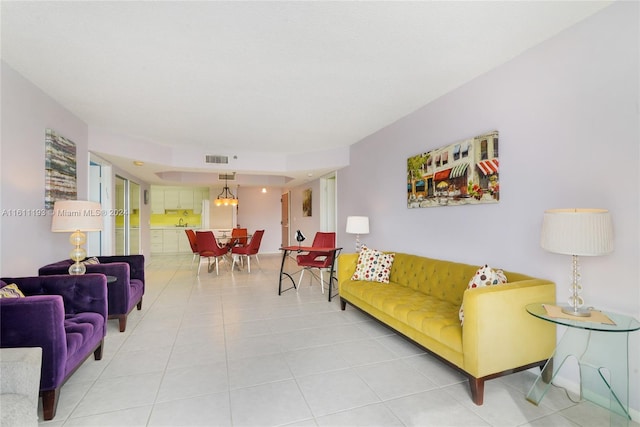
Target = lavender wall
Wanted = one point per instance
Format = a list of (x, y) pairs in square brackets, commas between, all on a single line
[(261, 211), (308, 225), (567, 113), (26, 242)]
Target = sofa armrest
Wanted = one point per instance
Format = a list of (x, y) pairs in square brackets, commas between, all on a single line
[(136, 264), (346, 267), (498, 334), (36, 321)]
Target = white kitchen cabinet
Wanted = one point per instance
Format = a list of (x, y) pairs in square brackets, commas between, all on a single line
[(157, 201), (183, 243), (169, 241), (157, 241), (186, 199), (199, 194), (171, 199)]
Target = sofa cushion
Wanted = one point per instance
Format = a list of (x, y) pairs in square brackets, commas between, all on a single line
[(80, 328), (411, 311), (484, 276), (373, 266), (11, 291)]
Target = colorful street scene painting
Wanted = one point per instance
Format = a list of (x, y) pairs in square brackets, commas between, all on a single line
[(463, 173), (60, 169)]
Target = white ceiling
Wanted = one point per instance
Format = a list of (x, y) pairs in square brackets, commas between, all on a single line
[(279, 78)]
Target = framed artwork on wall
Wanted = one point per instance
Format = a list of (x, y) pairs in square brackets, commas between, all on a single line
[(306, 202), (60, 169), (463, 173)]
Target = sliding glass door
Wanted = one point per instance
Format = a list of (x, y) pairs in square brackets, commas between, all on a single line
[(127, 216)]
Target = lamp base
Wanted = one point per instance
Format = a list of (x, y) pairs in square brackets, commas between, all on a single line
[(578, 312), (77, 268)]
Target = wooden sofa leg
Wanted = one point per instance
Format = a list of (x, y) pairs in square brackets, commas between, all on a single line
[(343, 304), (122, 320), (97, 354), (139, 306), (477, 390), (49, 403)]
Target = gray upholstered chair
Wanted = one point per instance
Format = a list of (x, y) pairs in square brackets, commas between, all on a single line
[(20, 372)]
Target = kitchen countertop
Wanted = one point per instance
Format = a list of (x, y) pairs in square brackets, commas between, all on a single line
[(168, 227)]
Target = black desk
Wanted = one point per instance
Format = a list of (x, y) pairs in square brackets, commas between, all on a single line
[(288, 249)]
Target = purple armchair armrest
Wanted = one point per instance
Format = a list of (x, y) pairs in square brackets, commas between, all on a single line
[(65, 316), (125, 292)]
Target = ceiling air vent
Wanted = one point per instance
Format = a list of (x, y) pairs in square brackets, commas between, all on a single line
[(227, 176), (209, 158)]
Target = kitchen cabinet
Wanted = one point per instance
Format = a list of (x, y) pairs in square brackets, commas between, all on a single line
[(185, 199), (199, 194), (157, 200), (157, 241), (171, 199), (176, 198), (169, 240)]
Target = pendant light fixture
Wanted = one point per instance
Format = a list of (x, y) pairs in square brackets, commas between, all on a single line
[(226, 197)]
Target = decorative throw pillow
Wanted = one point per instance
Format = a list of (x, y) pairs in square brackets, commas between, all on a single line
[(11, 291), (373, 266), (90, 261), (485, 276)]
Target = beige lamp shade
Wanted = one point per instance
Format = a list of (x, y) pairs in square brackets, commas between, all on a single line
[(358, 225), (583, 232), (74, 215)]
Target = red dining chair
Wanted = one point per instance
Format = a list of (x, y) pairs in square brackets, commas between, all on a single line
[(241, 252), (239, 237), (191, 235), (208, 248), (319, 260)]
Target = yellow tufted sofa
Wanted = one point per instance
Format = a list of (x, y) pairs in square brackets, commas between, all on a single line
[(421, 302)]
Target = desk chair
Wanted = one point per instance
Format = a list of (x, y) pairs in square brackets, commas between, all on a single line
[(319, 260)]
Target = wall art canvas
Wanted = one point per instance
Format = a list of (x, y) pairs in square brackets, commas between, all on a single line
[(464, 173), (60, 169), (306, 202)]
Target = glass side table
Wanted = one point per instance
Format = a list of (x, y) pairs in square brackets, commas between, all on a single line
[(602, 354)]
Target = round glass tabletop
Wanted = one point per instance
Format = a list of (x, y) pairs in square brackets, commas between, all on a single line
[(622, 323)]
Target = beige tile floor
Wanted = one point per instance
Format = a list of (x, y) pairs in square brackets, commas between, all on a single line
[(228, 351)]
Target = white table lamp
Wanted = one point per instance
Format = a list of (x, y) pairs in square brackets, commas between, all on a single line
[(577, 232), (76, 217), (358, 225)]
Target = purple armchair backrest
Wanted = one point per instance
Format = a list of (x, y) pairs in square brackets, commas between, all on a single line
[(124, 268)]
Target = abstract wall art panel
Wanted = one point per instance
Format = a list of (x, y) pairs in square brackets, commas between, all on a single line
[(60, 169)]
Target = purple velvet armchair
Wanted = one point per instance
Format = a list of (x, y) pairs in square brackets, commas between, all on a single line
[(64, 315), (124, 293)]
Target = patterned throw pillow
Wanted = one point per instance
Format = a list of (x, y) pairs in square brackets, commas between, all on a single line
[(91, 261), (485, 276), (373, 266), (11, 291)]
